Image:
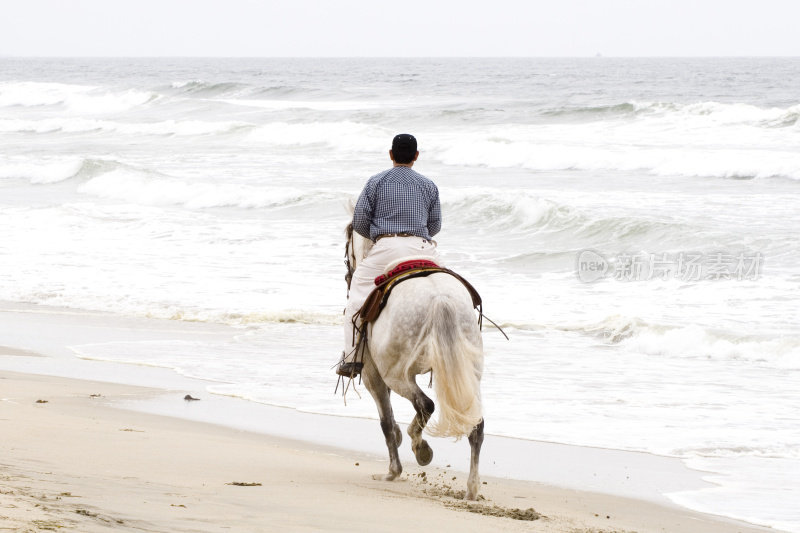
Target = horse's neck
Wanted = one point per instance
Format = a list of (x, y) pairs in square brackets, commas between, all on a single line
[(361, 247)]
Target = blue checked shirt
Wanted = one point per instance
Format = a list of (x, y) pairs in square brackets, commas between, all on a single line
[(398, 200)]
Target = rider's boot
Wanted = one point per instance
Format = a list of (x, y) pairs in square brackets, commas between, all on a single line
[(349, 369)]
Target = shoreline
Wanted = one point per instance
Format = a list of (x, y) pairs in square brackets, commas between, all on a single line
[(640, 477), (74, 460)]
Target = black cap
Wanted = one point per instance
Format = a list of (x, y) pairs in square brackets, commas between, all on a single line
[(404, 148)]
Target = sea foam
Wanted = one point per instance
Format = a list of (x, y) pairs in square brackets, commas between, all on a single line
[(150, 188), (339, 136), (42, 172)]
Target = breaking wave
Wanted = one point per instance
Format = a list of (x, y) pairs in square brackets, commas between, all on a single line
[(42, 172), (592, 112), (522, 213), (721, 113), (512, 211), (321, 105), (50, 171), (82, 99), (706, 139), (570, 148), (203, 88), (229, 89), (84, 125), (694, 341)]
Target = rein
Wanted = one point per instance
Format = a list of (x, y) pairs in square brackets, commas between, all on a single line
[(349, 276)]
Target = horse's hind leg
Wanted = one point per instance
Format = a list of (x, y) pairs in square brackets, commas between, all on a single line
[(474, 480), (391, 431), (424, 407)]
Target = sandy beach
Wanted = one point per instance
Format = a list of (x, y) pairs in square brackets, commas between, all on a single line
[(73, 462), (76, 456)]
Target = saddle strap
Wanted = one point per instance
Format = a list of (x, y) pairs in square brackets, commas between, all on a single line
[(376, 300)]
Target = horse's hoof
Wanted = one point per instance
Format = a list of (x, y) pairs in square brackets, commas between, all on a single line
[(398, 436), (424, 453), (384, 477), (471, 496)]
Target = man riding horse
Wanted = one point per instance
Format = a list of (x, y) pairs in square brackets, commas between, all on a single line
[(428, 325), (399, 211)]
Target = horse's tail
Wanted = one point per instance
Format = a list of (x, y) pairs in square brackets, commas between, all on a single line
[(456, 359)]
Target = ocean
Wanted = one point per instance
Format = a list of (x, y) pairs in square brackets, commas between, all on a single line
[(630, 223)]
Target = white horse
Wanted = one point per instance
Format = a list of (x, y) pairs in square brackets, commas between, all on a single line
[(428, 324)]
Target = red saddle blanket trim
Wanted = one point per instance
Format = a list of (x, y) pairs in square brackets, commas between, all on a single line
[(404, 267)]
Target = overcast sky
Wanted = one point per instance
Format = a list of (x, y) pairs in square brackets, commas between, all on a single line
[(399, 28)]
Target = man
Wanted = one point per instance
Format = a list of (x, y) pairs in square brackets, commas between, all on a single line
[(399, 210)]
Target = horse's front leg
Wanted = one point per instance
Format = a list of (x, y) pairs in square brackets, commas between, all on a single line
[(474, 479), (391, 431)]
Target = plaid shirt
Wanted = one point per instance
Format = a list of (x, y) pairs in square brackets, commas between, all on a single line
[(398, 200)]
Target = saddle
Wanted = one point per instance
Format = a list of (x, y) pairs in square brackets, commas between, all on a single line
[(406, 270)]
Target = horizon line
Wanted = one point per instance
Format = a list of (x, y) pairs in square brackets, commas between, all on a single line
[(596, 56)]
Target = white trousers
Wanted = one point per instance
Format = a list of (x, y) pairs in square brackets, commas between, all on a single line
[(385, 252)]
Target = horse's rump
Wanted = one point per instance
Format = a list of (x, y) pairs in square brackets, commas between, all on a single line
[(429, 324)]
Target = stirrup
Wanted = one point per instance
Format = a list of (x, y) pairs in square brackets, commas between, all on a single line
[(349, 370)]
